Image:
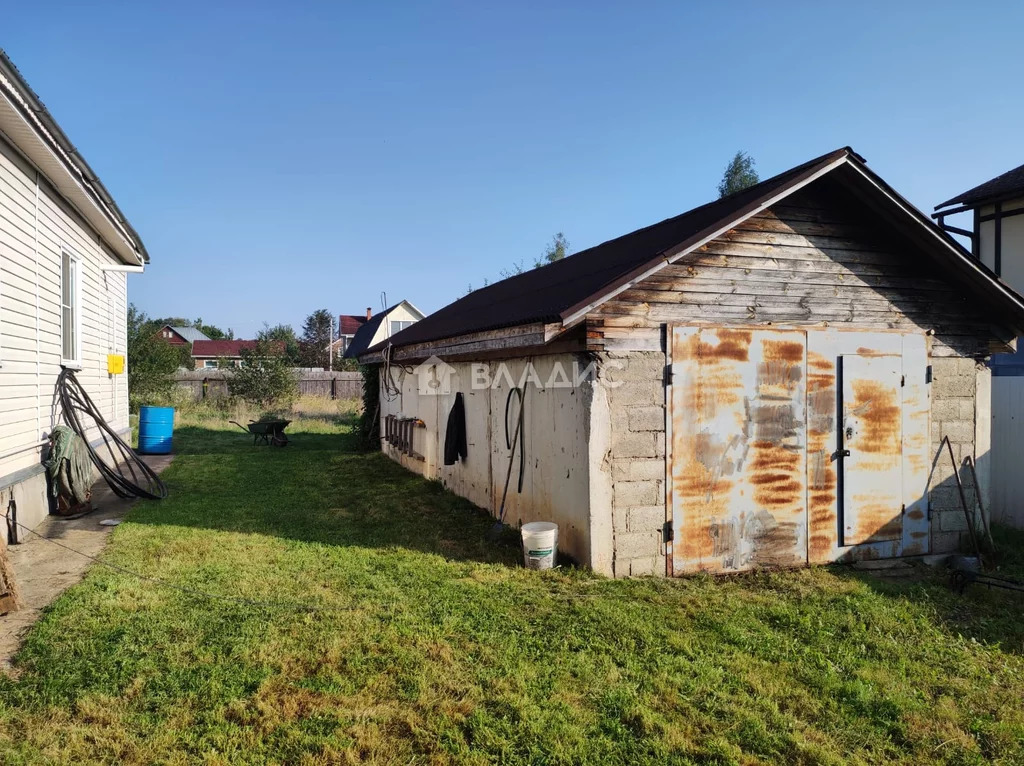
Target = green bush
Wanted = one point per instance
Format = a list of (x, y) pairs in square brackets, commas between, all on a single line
[(264, 379), (369, 421), (152, 361)]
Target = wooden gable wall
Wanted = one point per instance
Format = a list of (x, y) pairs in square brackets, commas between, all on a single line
[(819, 258)]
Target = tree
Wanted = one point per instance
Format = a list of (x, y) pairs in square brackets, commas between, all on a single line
[(212, 331), (556, 250), (282, 333), (317, 333), (265, 378), (739, 174), (516, 270), (152, 361)]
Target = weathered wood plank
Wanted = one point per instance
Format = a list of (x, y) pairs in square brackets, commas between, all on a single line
[(770, 223), (765, 257), (752, 246), (666, 313), (657, 290), (848, 277)]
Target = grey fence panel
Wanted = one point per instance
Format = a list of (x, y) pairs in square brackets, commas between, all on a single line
[(206, 384)]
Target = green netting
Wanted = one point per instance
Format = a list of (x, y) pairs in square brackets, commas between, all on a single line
[(69, 465)]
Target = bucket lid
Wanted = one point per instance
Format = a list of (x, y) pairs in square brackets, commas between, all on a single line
[(535, 527)]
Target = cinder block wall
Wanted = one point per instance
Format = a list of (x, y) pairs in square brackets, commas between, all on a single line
[(954, 392), (636, 398)]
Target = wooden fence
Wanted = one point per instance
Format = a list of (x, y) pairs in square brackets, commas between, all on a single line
[(205, 384)]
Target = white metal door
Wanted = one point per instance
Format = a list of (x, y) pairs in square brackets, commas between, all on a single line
[(738, 449), (871, 445)]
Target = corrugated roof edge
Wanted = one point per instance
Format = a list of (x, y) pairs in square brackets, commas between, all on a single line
[(1005, 184), (95, 186)]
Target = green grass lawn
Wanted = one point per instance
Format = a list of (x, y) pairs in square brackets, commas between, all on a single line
[(432, 646)]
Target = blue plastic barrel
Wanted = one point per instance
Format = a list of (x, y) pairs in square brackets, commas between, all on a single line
[(156, 426)]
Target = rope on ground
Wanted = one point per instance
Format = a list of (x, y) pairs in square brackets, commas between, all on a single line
[(78, 408), (290, 605)]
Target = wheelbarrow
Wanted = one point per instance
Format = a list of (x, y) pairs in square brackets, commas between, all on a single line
[(269, 432)]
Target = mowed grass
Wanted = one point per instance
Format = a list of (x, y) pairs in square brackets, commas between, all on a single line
[(431, 645)]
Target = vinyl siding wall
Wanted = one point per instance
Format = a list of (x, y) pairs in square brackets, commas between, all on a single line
[(35, 225)]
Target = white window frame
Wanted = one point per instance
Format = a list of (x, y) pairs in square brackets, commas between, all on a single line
[(74, 363)]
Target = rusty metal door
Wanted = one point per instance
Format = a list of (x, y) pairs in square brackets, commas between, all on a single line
[(871, 449), (738, 449)]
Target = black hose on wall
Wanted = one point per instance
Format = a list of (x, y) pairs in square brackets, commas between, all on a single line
[(127, 474)]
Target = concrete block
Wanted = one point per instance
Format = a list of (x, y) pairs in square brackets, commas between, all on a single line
[(619, 419), (945, 542), (626, 444), (645, 518), (637, 493), (952, 521), (642, 393), (646, 418), (643, 567), (944, 498), (946, 409), (966, 366), (946, 386), (647, 468), (966, 409), (620, 520), (642, 366), (659, 444), (958, 431), (634, 545)]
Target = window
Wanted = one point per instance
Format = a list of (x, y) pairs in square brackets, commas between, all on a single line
[(70, 310), (210, 363), (399, 326)]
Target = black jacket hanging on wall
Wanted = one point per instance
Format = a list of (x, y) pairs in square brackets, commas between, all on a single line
[(455, 434)]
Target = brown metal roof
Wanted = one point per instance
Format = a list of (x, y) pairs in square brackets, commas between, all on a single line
[(229, 348), (1009, 184)]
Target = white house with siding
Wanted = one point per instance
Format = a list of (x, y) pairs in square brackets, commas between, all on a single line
[(65, 252)]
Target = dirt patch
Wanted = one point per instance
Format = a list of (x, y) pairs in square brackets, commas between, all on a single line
[(43, 570)]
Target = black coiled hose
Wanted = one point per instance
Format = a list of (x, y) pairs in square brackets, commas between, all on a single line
[(126, 473)]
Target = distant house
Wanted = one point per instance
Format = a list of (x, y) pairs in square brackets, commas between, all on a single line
[(381, 327), (181, 336), (210, 353), (348, 326)]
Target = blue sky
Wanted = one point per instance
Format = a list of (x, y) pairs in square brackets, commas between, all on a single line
[(278, 158)]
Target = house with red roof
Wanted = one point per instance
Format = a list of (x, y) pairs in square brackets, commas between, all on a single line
[(218, 353)]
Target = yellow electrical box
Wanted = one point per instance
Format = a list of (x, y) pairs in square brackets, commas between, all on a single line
[(115, 364)]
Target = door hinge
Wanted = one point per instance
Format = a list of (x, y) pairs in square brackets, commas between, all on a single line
[(928, 374), (903, 381), (668, 375), (667, 533)]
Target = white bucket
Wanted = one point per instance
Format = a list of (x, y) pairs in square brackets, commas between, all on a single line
[(540, 544)]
